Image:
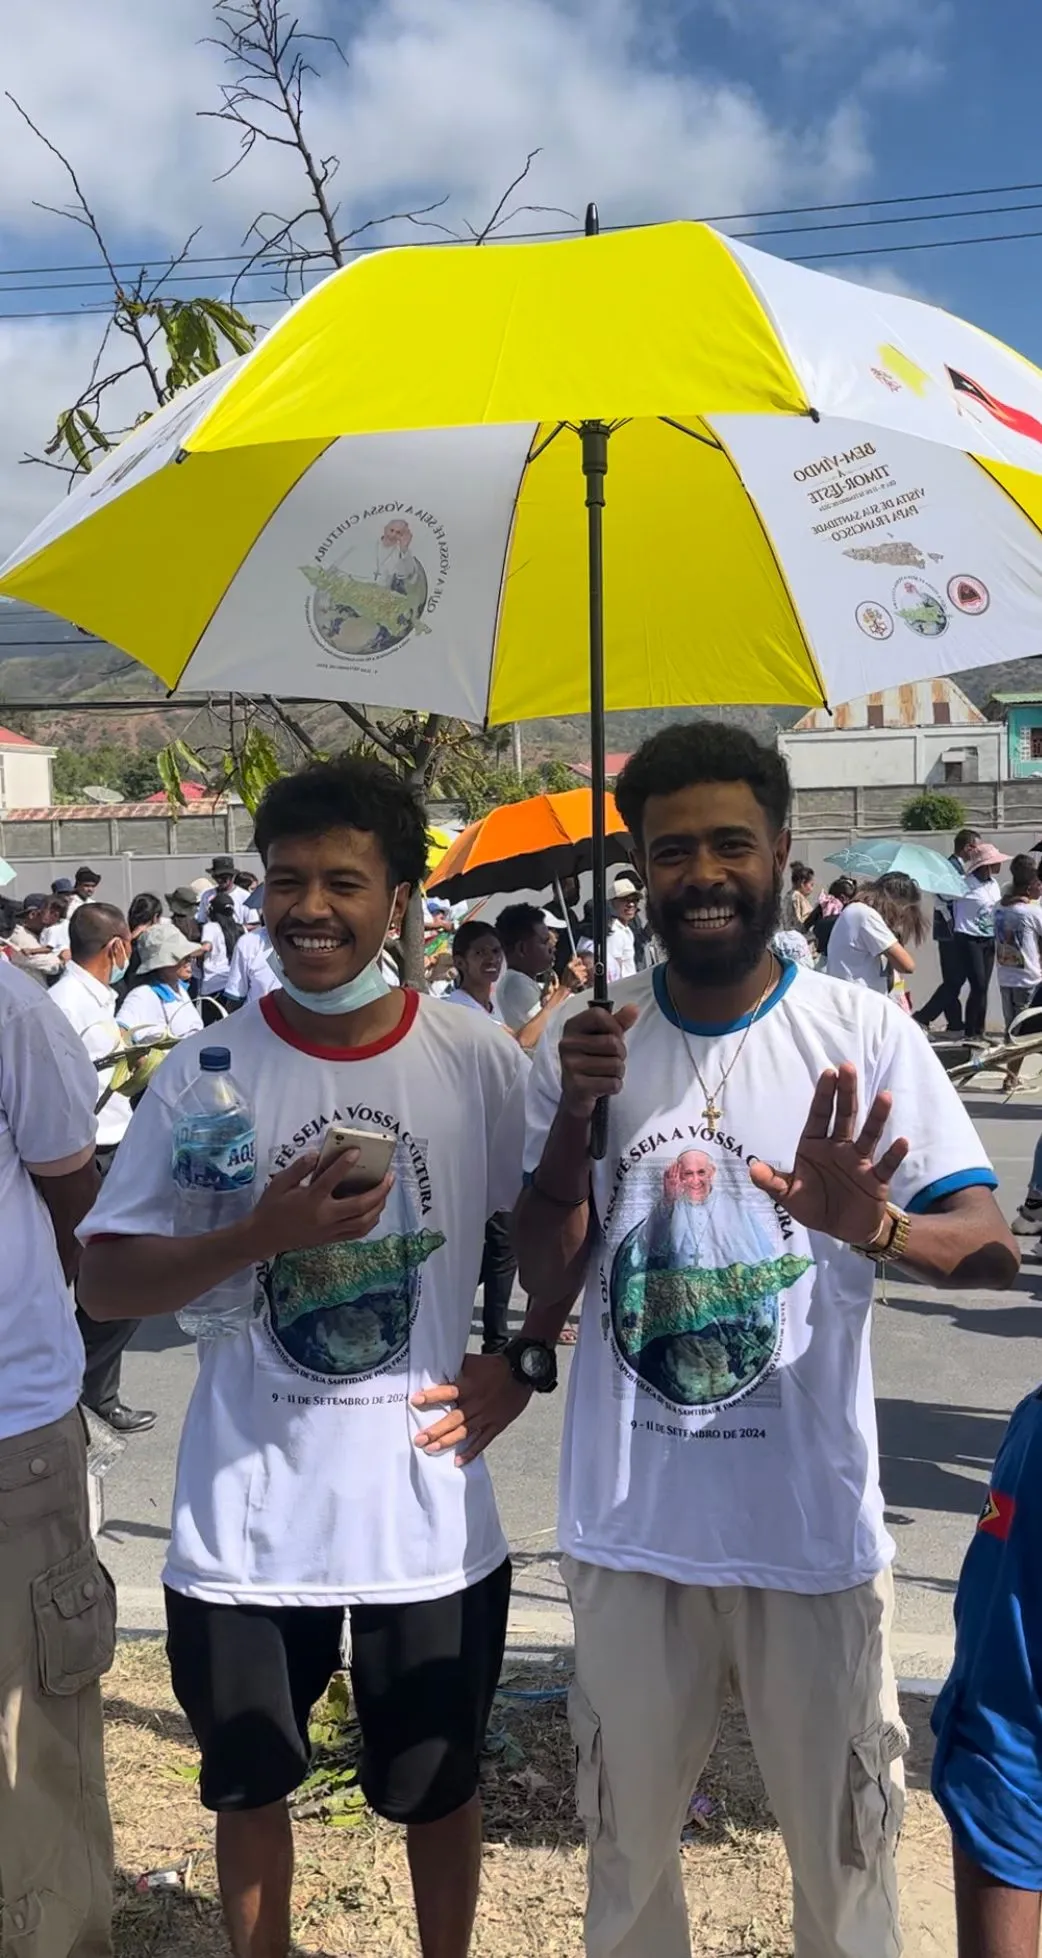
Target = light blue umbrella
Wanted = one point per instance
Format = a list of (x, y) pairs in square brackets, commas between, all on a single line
[(7, 875), (931, 871)]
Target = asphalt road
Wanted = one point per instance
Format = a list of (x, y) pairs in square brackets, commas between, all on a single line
[(949, 1370)]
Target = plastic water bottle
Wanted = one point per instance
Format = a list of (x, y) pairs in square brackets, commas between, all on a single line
[(214, 1163)]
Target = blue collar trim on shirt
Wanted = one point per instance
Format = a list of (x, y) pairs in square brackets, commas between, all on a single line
[(665, 1004), (163, 991)]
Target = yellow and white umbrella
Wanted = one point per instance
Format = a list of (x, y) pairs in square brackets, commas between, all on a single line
[(796, 491), (814, 489)]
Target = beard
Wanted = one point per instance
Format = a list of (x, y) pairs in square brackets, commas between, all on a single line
[(716, 965)]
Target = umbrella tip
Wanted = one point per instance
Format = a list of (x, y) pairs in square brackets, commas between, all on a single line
[(593, 222)]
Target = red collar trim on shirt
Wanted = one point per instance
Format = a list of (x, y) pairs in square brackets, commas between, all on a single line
[(279, 1025)]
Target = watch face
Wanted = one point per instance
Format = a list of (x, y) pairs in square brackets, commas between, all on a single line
[(536, 1364)]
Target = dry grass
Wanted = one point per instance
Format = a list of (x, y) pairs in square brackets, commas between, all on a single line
[(351, 1898)]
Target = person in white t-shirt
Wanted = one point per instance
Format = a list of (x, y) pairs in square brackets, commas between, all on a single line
[(1018, 939), (529, 991), (621, 954), (772, 1133), (57, 1605), (100, 943), (868, 944), (250, 974), (301, 1485), (221, 934), (224, 875)]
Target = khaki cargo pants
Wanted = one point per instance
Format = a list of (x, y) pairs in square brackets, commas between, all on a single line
[(57, 1637), (654, 1664)]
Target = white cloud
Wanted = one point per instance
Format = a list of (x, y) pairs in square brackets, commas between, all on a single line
[(908, 34), (440, 96)]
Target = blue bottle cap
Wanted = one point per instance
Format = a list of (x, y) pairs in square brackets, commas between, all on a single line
[(215, 1060)]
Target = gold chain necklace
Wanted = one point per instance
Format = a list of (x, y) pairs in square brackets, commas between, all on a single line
[(712, 1113)]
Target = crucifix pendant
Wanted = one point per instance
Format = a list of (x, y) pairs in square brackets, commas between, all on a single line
[(711, 1115)]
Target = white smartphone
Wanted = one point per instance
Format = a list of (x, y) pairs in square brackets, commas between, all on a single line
[(375, 1156)]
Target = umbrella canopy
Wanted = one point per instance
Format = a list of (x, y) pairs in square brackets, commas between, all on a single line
[(7, 875), (813, 490), (931, 871), (528, 846)]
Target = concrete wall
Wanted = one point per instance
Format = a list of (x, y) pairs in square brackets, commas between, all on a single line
[(878, 757)]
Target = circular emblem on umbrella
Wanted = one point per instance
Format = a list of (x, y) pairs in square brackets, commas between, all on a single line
[(920, 607), (969, 594), (369, 587), (874, 619)]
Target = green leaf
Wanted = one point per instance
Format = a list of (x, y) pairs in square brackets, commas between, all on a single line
[(170, 776)]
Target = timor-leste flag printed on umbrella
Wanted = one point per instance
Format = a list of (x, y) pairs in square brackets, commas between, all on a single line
[(813, 490)]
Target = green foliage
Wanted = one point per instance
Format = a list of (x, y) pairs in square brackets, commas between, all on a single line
[(196, 335), (131, 773), (479, 785), (932, 809), (247, 771)]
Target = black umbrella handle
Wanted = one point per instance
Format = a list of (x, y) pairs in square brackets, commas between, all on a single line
[(599, 1131)]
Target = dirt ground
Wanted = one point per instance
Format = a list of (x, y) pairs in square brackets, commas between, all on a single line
[(351, 1898)]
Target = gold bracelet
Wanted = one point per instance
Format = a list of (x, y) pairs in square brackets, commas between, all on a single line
[(889, 1243)]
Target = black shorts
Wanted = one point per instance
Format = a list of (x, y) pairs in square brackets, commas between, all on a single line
[(423, 1678)]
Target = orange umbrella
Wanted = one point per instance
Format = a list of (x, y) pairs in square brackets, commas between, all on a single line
[(527, 846)]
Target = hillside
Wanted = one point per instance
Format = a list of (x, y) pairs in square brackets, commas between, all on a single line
[(43, 658)]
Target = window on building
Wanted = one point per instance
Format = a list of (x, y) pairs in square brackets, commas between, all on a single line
[(1036, 743), (952, 772), (942, 713), (875, 714)]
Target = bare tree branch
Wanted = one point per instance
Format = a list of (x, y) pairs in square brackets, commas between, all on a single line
[(486, 231), (85, 215)]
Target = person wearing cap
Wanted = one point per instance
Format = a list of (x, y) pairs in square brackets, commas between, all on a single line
[(25, 944), (973, 922), (99, 944), (224, 874), (526, 933), (84, 886), (622, 944), (160, 1002), (55, 934)]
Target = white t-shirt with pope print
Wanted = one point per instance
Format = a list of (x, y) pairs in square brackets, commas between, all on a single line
[(721, 1424), (298, 1478)]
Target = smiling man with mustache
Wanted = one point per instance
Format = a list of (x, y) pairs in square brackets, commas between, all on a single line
[(721, 1514)]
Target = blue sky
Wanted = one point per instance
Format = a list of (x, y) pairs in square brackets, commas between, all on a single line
[(656, 108)]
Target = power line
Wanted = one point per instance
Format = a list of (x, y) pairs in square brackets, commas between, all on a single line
[(719, 217), (270, 270), (795, 258)]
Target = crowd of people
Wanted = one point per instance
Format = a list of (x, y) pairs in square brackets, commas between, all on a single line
[(774, 1136)]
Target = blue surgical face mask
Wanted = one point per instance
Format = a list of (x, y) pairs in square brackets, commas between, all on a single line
[(118, 972), (362, 990)]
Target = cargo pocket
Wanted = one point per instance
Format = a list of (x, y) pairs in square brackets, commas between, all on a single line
[(875, 1801), (74, 1608), (589, 1765)]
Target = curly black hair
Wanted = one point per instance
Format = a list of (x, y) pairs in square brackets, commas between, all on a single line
[(349, 792), (702, 751)]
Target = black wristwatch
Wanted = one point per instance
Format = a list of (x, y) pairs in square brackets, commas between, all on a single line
[(533, 1364)]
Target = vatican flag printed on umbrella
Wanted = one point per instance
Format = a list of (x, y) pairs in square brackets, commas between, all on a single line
[(813, 490)]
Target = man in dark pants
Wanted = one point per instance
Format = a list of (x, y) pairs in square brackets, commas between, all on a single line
[(498, 1271), (99, 948), (948, 997)]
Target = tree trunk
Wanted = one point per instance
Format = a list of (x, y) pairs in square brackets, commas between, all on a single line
[(411, 944)]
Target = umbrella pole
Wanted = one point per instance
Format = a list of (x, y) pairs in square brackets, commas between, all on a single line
[(563, 909), (595, 468)]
